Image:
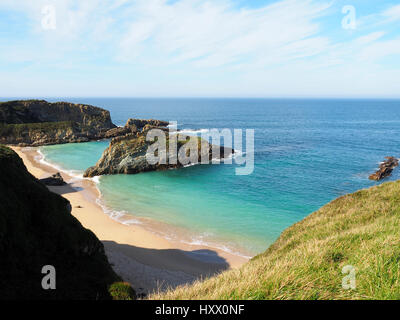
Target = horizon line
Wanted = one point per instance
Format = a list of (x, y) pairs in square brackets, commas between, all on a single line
[(200, 97)]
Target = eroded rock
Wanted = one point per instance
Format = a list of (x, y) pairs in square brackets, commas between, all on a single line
[(385, 169), (127, 155)]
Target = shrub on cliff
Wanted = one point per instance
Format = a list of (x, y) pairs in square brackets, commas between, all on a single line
[(121, 291)]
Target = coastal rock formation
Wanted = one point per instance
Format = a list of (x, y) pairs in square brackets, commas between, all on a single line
[(127, 155), (385, 169), (55, 180), (36, 230), (140, 124), (134, 126), (38, 122)]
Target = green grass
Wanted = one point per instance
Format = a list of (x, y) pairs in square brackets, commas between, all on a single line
[(306, 262), (122, 291), (19, 129)]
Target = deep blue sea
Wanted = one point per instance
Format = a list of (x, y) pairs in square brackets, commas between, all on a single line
[(307, 153)]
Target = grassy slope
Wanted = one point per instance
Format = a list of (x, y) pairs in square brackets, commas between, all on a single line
[(19, 129), (360, 229)]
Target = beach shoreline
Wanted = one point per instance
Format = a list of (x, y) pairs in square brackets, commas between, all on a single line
[(146, 260)]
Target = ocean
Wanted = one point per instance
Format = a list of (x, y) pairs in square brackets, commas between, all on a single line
[(307, 153)]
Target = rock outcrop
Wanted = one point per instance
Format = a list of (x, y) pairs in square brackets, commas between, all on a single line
[(36, 230), (140, 124), (134, 126), (127, 155), (54, 181), (385, 169), (38, 122)]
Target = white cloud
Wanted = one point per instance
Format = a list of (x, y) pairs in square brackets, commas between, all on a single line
[(392, 14), (136, 47), (380, 50), (371, 37), (212, 33)]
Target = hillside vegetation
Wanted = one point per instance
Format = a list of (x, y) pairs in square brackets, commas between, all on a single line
[(37, 229), (361, 230), (38, 122)]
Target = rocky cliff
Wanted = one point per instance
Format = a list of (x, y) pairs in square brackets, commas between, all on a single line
[(37, 229), (127, 154), (38, 122)]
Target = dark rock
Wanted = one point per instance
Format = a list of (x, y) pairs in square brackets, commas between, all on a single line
[(134, 126), (37, 229), (54, 180), (385, 169), (140, 123), (69, 207), (127, 155)]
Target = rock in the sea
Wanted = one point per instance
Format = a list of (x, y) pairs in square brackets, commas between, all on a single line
[(38, 122), (54, 180), (385, 169), (127, 154)]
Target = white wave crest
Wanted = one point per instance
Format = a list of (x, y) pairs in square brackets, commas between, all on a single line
[(75, 174)]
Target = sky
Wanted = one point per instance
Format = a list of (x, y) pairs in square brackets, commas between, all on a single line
[(200, 48)]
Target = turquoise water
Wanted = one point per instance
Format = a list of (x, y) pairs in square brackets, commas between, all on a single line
[(307, 153), (75, 157)]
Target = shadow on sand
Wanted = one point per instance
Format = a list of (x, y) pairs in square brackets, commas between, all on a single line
[(64, 189), (155, 270)]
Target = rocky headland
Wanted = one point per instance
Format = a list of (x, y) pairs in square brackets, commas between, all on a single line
[(38, 122), (127, 154)]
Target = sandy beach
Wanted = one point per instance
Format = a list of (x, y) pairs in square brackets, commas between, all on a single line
[(146, 260)]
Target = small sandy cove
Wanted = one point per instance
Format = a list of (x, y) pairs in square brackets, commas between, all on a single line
[(148, 261)]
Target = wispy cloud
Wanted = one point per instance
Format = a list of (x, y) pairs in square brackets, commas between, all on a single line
[(214, 33), (392, 14), (205, 33), (283, 45)]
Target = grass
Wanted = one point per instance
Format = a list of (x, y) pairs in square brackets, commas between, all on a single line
[(25, 128), (121, 291), (361, 230)]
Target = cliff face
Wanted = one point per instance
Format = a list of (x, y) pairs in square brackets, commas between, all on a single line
[(37, 229), (37, 122), (127, 154)]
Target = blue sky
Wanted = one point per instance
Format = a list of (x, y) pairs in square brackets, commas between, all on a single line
[(184, 48)]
